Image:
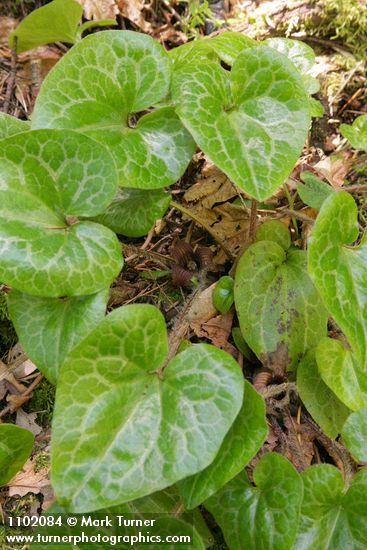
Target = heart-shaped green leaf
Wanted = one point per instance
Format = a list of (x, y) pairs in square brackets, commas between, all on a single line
[(356, 133), (98, 86), (340, 271), (9, 126), (313, 191), (333, 516), (280, 312), (354, 434), (340, 371), (229, 44), (241, 443), (274, 231), (301, 55), (47, 179), (316, 108), (159, 431), (224, 47), (261, 517), (48, 328), (298, 52), (134, 211), (322, 404), (243, 119), (57, 21), (15, 447), (160, 509)]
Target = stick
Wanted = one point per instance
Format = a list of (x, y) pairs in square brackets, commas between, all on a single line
[(12, 75), (253, 220)]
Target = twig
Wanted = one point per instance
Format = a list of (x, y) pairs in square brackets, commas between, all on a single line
[(148, 239), (354, 188), (12, 75), (207, 227), (352, 98), (173, 12), (335, 449), (29, 390), (295, 214), (131, 251), (253, 220)]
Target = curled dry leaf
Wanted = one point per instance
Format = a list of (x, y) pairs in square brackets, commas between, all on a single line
[(25, 369), (7, 25), (208, 199), (134, 11), (334, 169), (202, 308), (99, 9), (217, 330)]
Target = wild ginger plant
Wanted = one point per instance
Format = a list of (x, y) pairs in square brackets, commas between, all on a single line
[(116, 121)]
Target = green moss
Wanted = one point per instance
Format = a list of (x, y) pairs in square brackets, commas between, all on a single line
[(41, 461), (16, 507), (7, 332), (42, 402), (344, 21)]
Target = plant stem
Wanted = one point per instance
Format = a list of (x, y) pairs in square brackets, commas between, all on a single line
[(354, 188), (296, 214), (29, 390), (253, 219), (291, 205), (207, 227)]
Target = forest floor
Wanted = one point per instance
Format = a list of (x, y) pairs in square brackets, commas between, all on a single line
[(212, 226)]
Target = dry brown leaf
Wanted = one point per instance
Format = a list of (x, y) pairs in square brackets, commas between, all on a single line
[(232, 227), (217, 330), (14, 352), (28, 421), (99, 9), (16, 401), (7, 25), (334, 169), (25, 369), (3, 390), (230, 222), (300, 450), (167, 33), (29, 481), (202, 308), (213, 187), (271, 442), (133, 10)]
